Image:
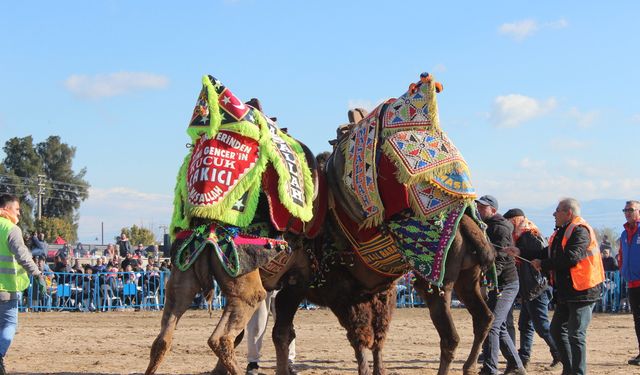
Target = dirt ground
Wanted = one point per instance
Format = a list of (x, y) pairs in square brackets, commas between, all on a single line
[(119, 342)]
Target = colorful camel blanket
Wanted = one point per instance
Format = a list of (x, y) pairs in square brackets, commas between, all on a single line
[(233, 143), (238, 252), (433, 175)]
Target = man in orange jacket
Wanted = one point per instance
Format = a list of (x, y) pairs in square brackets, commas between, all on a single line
[(575, 265)]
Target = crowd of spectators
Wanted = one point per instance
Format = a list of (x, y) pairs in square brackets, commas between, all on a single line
[(86, 279)]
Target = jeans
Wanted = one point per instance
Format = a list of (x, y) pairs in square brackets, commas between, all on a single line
[(8, 323), (634, 302), (498, 336), (534, 317), (569, 331)]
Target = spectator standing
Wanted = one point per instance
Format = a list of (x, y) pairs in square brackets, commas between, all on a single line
[(39, 247), (256, 329), (139, 251), (629, 260), (534, 314), (124, 245), (605, 244), (576, 269), (499, 231), (110, 251), (608, 262), (15, 267)]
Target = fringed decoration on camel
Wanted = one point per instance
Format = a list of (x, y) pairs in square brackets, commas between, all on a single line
[(399, 151), (221, 178)]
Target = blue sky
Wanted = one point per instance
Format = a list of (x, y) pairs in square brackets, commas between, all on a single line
[(541, 97)]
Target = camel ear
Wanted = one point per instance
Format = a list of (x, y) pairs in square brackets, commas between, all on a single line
[(255, 103), (356, 115)]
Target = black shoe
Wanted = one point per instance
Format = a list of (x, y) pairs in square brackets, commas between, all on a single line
[(555, 362), (634, 361), (2, 370), (253, 368)]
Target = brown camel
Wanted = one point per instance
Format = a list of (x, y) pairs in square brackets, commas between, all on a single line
[(364, 301), (360, 297)]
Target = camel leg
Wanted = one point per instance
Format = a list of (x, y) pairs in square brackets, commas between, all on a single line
[(357, 320), (243, 295), (468, 290), (287, 302), (181, 289), (440, 312), (383, 307)]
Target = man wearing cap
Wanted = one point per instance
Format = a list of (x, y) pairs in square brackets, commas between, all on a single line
[(630, 264), (499, 231), (534, 315), (575, 265)]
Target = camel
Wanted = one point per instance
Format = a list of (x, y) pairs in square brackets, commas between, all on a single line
[(245, 186), (363, 300)]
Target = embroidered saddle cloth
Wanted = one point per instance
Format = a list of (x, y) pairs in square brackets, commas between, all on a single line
[(400, 171)]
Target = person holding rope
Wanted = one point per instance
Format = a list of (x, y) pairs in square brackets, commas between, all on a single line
[(15, 265), (574, 261), (534, 314), (499, 231)]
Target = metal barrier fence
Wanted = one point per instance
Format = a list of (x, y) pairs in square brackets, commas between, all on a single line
[(146, 290), (96, 292)]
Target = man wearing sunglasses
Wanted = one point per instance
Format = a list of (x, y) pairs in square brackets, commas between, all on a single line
[(629, 260)]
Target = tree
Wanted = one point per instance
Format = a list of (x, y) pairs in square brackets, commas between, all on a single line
[(138, 235), (51, 159), (18, 176), (65, 189), (52, 227)]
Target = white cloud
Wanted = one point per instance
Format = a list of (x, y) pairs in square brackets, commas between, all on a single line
[(583, 119), (113, 84), (118, 207), (635, 118), (568, 144), (510, 111), (521, 30)]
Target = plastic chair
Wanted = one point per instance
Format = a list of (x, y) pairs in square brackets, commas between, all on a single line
[(63, 293)]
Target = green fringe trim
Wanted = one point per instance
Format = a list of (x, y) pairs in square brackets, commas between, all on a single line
[(449, 242), (304, 213), (179, 220), (214, 113)]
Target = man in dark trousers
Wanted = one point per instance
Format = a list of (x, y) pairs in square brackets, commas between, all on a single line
[(576, 271), (499, 231), (629, 260), (534, 314), (16, 264)]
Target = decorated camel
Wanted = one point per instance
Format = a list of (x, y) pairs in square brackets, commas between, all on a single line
[(244, 200), (400, 199)]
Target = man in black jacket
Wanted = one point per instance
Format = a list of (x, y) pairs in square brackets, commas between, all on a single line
[(576, 270), (500, 302), (534, 314)]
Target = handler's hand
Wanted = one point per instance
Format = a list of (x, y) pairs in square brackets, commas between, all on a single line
[(537, 264), (512, 250)]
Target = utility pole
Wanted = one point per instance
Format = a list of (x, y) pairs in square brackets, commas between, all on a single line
[(41, 189)]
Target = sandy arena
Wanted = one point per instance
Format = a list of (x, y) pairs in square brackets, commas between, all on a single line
[(119, 342)]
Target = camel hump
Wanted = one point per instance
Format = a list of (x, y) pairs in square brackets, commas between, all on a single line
[(356, 115)]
